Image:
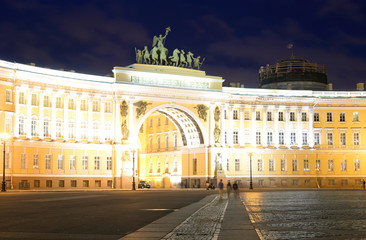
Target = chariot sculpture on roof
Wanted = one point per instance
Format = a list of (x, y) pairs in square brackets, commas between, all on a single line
[(158, 55)]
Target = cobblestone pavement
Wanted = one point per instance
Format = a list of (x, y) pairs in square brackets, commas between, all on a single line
[(203, 224), (315, 214)]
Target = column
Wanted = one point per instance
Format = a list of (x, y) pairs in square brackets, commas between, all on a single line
[(53, 117), (288, 130), (311, 128), (241, 129), (299, 128), (90, 118), (276, 128), (231, 123), (41, 115), (66, 117), (265, 126), (223, 124), (16, 125), (29, 114), (78, 118), (253, 126), (102, 127)]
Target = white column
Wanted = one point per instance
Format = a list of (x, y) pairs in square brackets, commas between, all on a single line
[(299, 128), (223, 124), (90, 118), (66, 117), (231, 123), (78, 118), (131, 124), (29, 113), (53, 117), (276, 130), (241, 128), (41, 115), (311, 128), (102, 128), (117, 122), (253, 126), (16, 125), (212, 125), (264, 126)]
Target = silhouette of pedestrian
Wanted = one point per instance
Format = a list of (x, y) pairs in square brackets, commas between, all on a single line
[(221, 188), (236, 189), (363, 184), (228, 189)]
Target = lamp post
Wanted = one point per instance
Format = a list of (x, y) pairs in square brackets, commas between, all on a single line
[(251, 170), (4, 137), (133, 170)]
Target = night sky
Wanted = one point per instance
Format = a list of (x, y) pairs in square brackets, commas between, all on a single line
[(234, 37)]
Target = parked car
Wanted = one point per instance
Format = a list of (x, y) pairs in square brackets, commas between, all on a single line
[(143, 184)]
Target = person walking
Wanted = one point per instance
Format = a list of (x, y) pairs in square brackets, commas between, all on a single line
[(221, 188), (236, 189), (363, 184), (228, 189)]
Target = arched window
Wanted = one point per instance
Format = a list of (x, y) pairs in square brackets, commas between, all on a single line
[(84, 130), (158, 143), (71, 128), (167, 142), (59, 128), (108, 131), (34, 126), (95, 131), (21, 125), (46, 127)]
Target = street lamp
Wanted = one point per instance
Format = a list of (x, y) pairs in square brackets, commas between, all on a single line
[(251, 170), (4, 137), (133, 170)]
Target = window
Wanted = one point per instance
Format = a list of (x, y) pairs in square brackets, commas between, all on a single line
[(344, 165), (258, 138), (166, 121), (8, 96), (46, 127), (108, 131), (356, 138), (7, 160), (72, 162), (98, 183), (235, 137), (71, 104), (150, 166), (246, 115), (158, 123), (294, 165), (73, 183), (61, 183), (150, 144), (260, 165), (34, 126), (317, 164), (71, 129), (37, 183), (269, 116), (8, 125), (306, 165), (271, 165), (158, 171), (316, 117), (21, 98), (304, 116), (175, 140), (95, 131), (108, 107), (109, 163), (158, 142), (59, 128), (109, 183), (34, 99), (60, 162), (316, 138), (330, 165), (49, 183), (292, 116), (330, 138), (355, 117), (342, 117), (46, 101), (304, 138), (96, 163), (257, 115), (85, 183), (167, 142), (83, 130), (283, 165), (227, 165), (83, 105), (235, 115), (225, 114), (225, 137), (194, 166), (281, 138), (150, 123), (23, 159), (95, 106), (329, 117), (293, 138), (35, 161), (269, 138), (237, 164), (21, 125), (247, 135), (48, 161), (84, 163), (280, 116), (175, 165), (58, 102), (342, 139), (357, 164)]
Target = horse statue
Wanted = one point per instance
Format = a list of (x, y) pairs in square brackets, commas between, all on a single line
[(174, 60), (146, 55), (154, 56), (182, 59), (189, 57), (163, 54)]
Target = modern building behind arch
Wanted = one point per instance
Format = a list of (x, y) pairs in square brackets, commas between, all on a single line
[(179, 127)]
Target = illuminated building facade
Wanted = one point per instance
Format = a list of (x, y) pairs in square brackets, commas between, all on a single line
[(179, 127)]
